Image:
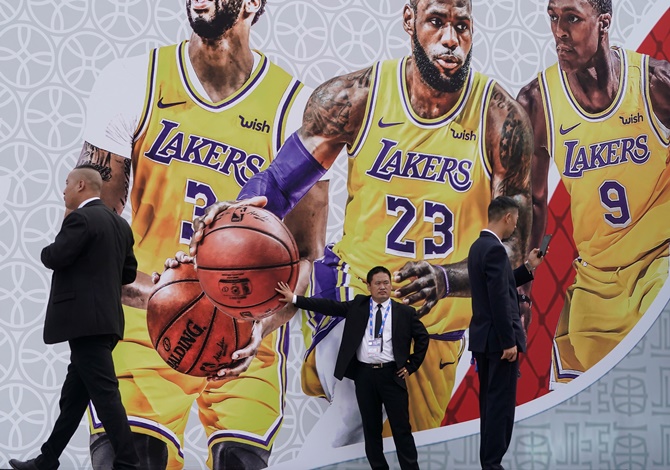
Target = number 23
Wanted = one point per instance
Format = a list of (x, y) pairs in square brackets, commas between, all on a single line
[(435, 213)]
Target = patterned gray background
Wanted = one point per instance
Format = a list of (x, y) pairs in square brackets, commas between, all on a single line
[(51, 52)]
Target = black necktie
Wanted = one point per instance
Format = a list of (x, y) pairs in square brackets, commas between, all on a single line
[(378, 321)]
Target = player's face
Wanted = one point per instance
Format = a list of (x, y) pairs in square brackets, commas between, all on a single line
[(380, 287), (211, 19), (442, 43), (575, 25)]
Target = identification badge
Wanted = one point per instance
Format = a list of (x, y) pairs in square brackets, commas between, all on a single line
[(374, 347)]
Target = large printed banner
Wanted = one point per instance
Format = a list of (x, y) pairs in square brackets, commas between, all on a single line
[(78, 71)]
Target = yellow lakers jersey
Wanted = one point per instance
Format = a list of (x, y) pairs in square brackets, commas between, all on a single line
[(190, 152), (613, 163), (419, 188)]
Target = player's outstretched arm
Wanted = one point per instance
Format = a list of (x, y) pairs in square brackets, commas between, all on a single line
[(431, 282), (659, 86)]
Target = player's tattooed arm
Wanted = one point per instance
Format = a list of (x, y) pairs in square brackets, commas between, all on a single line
[(115, 171), (509, 146), (659, 86), (334, 115), (530, 99)]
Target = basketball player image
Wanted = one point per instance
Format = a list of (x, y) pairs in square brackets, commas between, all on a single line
[(602, 115), (430, 143), (195, 121)]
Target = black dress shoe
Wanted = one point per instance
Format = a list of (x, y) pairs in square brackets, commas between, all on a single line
[(20, 465)]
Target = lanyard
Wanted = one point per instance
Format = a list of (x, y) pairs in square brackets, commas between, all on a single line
[(372, 314)]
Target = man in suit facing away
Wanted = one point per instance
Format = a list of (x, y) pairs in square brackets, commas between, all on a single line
[(375, 354), (496, 332), (91, 257)]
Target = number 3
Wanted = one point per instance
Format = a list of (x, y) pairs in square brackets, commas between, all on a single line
[(195, 192), (435, 213)]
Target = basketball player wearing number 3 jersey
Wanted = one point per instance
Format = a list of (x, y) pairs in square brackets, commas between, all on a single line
[(602, 115), (192, 141)]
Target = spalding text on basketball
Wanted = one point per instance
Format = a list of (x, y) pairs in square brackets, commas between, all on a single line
[(188, 337)]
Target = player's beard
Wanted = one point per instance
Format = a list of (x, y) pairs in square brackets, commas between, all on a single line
[(432, 76), (226, 13)]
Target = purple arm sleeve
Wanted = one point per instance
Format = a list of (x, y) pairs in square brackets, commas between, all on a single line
[(287, 179)]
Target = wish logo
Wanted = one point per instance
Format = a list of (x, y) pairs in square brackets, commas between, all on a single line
[(632, 119), (464, 135), (255, 125)]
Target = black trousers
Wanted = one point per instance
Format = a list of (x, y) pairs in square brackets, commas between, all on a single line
[(497, 401), (90, 376), (375, 387)]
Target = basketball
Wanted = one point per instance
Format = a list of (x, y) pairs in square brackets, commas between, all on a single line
[(188, 332), (243, 254)]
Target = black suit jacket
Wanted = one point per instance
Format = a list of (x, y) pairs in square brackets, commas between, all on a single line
[(496, 321), (405, 327), (92, 257)]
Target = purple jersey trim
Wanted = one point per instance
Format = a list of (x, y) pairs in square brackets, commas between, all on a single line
[(150, 95), (450, 336), (237, 97), (139, 424), (264, 441), (283, 114), (597, 117)]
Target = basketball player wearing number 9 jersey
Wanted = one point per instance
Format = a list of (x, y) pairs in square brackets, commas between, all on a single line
[(602, 114), (195, 121)]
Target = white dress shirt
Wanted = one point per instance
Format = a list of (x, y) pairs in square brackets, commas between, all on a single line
[(387, 348), (87, 201)]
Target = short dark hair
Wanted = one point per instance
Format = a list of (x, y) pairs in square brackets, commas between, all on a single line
[(260, 12), (501, 206), (601, 6), (377, 270), (105, 172)]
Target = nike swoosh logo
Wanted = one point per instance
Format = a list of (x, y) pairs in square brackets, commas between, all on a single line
[(168, 105), (387, 124), (565, 131), (445, 364)]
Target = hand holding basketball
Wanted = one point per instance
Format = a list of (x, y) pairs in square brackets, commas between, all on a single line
[(199, 223), (187, 330), (171, 263), (243, 253)]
